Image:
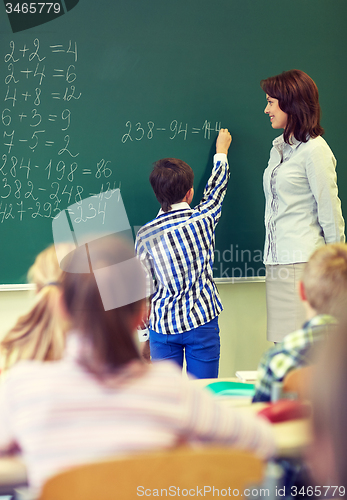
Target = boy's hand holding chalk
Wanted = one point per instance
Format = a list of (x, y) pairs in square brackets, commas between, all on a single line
[(223, 141)]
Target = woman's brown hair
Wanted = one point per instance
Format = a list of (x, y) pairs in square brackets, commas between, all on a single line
[(297, 96), (107, 334)]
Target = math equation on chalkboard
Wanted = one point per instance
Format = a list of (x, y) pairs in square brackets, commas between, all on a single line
[(44, 164), (174, 130), (40, 171)]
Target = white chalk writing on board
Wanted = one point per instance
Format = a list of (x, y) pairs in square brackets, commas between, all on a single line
[(40, 170), (174, 130)]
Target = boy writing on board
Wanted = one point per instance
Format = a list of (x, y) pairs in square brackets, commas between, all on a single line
[(322, 289), (177, 251)]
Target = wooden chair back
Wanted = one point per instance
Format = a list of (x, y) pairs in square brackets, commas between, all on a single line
[(199, 470)]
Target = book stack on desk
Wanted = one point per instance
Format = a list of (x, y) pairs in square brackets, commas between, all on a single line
[(247, 376)]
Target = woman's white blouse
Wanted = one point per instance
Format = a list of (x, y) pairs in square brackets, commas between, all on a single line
[(303, 210)]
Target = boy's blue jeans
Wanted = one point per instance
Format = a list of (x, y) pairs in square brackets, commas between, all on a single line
[(200, 345)]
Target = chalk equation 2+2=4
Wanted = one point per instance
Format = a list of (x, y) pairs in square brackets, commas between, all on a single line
[(41, 172)]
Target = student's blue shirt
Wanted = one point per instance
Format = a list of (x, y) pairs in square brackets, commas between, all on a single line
[(294, 351)]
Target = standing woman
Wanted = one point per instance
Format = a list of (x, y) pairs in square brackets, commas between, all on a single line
[(303, 210)]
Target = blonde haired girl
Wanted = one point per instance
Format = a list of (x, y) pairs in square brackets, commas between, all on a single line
[(40, 333)]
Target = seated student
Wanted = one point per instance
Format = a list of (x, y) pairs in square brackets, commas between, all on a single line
[(40, 333), (102, 399), (324, 283), (177, 249), (327, 454)]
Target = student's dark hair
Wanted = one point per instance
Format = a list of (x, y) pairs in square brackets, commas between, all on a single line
[(297, 96), (171, 179), (108, 333)]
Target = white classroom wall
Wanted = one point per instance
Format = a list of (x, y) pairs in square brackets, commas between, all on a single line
[(242, 327), (242, 323)]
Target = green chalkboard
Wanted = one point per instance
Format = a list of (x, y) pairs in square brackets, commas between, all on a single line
[(92, 93)]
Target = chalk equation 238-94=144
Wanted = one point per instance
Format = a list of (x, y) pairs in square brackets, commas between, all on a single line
[(176, 129)]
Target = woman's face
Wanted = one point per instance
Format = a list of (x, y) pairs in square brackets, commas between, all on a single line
[(278, 117)]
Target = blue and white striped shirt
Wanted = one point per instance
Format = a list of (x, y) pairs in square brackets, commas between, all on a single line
[(177, 251)]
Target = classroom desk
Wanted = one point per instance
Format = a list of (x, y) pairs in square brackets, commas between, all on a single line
[(229, 401), (12, 474), (291, 437)]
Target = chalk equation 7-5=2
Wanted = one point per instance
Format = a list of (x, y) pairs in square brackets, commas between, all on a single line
[(176, 129)]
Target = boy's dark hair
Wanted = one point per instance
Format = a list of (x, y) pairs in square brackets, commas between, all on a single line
[(297, 96), (171, 179)]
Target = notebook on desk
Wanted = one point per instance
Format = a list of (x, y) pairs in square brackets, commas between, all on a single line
[(227, 388)]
